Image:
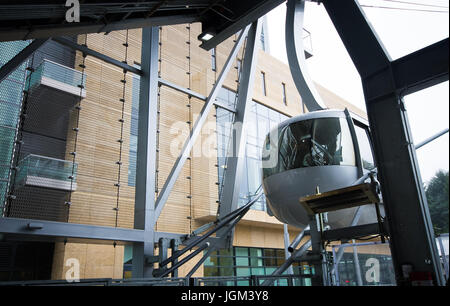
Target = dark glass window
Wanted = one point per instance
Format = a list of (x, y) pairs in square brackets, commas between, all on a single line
[(263, 83), (260, 120), (365, 148), (309, 143), (244, 262), (133, 131)]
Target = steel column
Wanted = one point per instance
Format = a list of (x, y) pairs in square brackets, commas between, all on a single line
[(20, 57), (410, 228), (144, 213), (236, 153), (356, 263), (179, 163), (286, 246), (296, 56)]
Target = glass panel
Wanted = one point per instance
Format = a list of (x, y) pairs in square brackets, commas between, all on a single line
[(211, 271), (255, 252), (228, 271), (426, 121), (365, 148), (256, 262), (317, 142), (226, 252), (242, 271), (373, 262), (57, 72), (254, 179), (226, 261), (242, 261), (270, 262), (45, 167), (258, 271), (269, 253)]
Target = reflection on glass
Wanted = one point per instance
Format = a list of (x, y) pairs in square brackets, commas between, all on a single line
[(365, 148), (309, 143)]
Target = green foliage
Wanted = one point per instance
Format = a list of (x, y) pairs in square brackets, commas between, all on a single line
[(437, 196)]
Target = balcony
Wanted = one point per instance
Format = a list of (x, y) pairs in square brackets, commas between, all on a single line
[(46, 172), (59, 77), (54, 90)]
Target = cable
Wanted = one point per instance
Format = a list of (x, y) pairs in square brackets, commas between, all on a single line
[(403, 9), (78, 108), (415, 3), (120, 140)]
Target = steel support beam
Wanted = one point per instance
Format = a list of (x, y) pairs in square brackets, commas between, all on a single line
[(26, 229), (423, 68), (430, 139), (258, 10), (296, 56), (179, 163), (411, 232), (236, 153), (13, 226), (286, 246), (71, 44), (144, 212), (194, 94), (17, 60), (295, 256), (347, 233), (77, 28)]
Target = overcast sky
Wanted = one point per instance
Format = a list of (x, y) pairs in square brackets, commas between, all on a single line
[(401, 32)]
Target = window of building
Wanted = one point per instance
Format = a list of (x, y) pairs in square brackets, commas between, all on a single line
[(246, 261), (263, 41), (284, 93), (260, 120), (213, 59), (365, 148), (239, 67), (263, 83), (133, 131), (315, 142)]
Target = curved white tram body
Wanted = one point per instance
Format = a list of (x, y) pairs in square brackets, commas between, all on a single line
[(317, 149)]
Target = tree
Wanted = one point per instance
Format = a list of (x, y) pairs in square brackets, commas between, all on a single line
[(437, 197)]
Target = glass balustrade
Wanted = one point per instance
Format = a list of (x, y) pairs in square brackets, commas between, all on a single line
[(57, 72), (46, 172)]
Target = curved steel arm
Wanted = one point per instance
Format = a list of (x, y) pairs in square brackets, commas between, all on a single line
[(296, 56)]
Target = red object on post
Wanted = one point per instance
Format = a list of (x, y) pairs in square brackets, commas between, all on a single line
[(421, 278)]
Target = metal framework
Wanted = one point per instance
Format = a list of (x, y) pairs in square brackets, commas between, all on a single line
[(385, 82), (147, 207), (296, 56), (235, 157), (17, 60)]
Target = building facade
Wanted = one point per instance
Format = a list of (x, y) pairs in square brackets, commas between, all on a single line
[(77, 159)]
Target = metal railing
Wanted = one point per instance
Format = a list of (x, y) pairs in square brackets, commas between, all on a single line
[(45, 167), (253, 280), (56, 72)]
